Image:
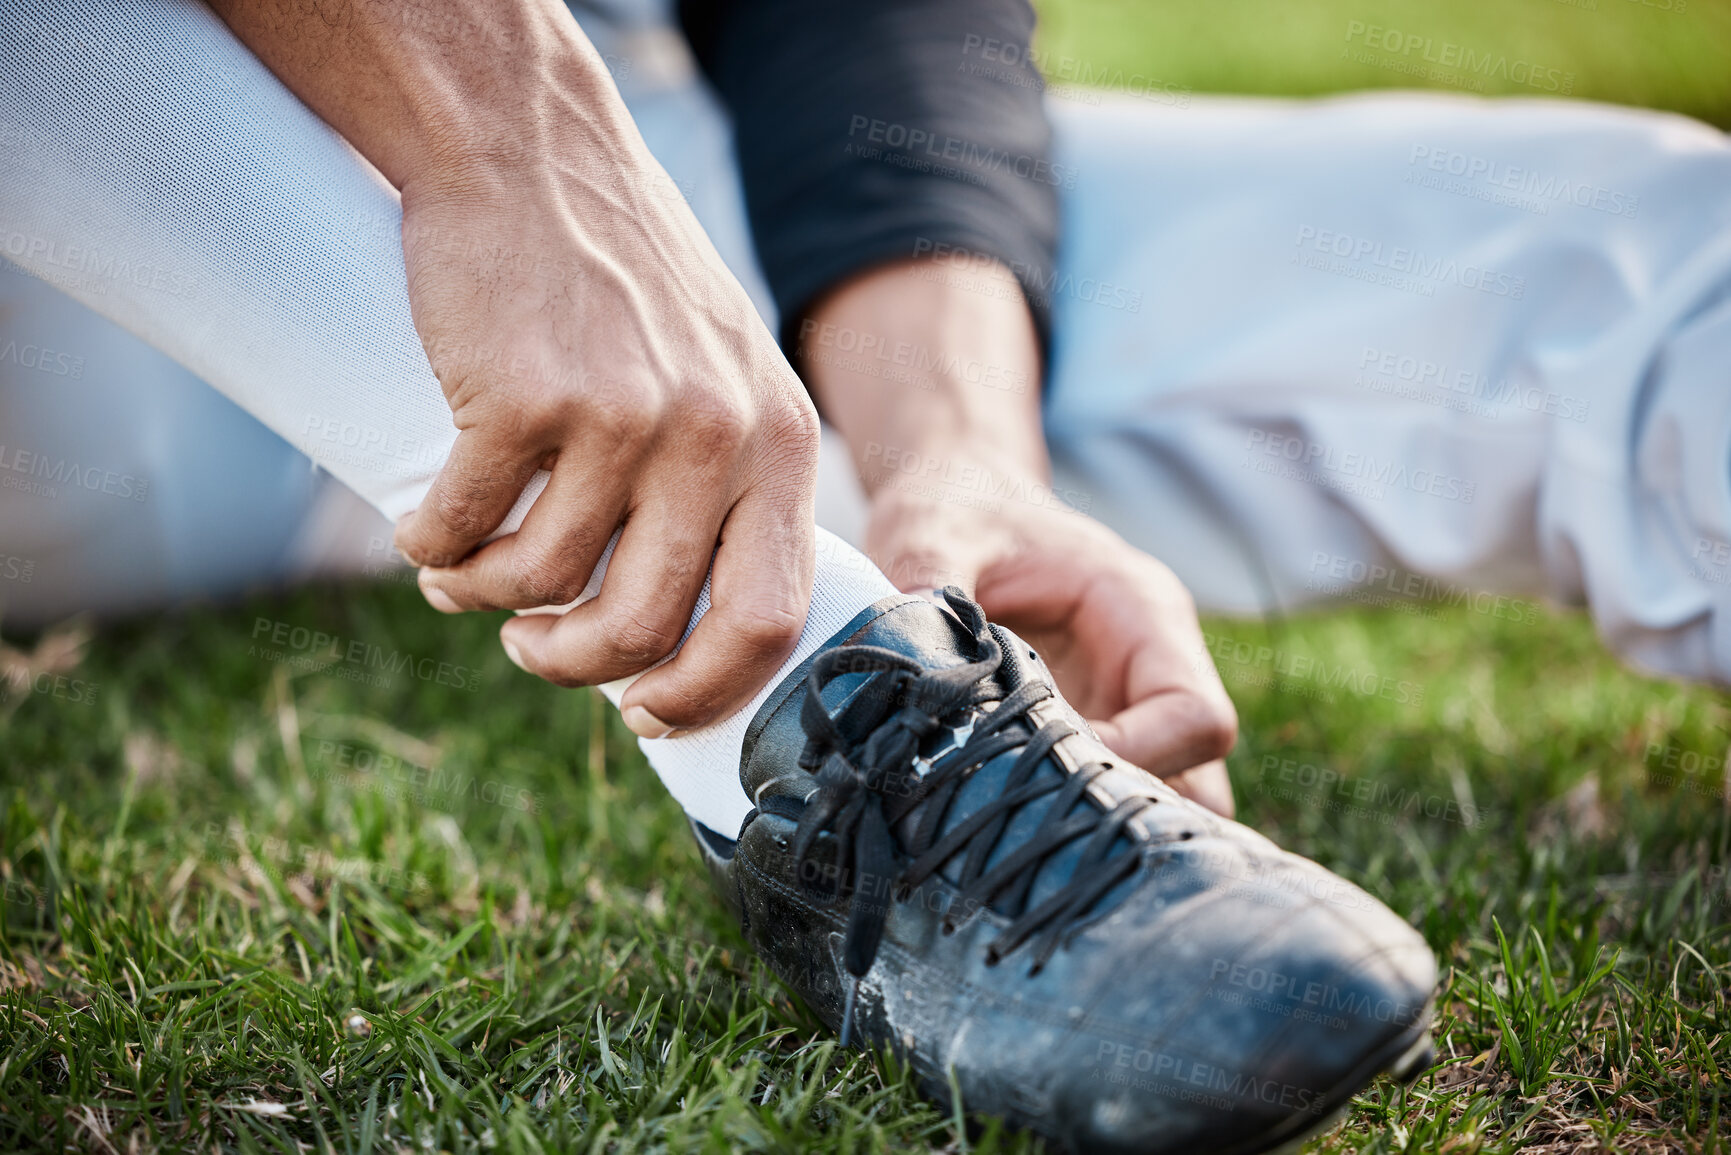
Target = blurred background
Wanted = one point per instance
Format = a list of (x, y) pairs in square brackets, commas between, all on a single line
[(1671, 54)]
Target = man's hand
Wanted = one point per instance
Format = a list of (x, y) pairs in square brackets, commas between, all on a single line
[(638, 372), (932, 374), (1114, 625), (580, 322)]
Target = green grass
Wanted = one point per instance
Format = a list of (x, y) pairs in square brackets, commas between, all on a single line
[(201, 897), (1673, 54), (219, 932)]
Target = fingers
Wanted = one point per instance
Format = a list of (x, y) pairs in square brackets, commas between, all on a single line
[(477, 486), (549, 559), (1168, 733), (642, 612), (760, 590), (1207, 785)]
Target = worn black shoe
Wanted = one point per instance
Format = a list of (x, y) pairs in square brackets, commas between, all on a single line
[(945, 862)]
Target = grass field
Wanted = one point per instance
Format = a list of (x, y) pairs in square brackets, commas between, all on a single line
[(253, 901)]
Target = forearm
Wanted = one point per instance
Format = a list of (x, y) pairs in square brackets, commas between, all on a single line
[(443, 90), (931, 373)]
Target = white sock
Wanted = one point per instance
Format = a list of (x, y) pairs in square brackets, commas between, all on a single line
[(158, 173)]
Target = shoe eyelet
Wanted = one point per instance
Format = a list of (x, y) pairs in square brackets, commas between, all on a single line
[(1187, 836), (947, 927), (992, 957), (1033, 655)]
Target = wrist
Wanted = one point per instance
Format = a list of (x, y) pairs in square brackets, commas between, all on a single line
[(932, 383), (436, 92), (943, 481), (565, 121), (568, 120)]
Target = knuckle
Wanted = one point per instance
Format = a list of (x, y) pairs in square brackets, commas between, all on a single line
[(543, 579), (716, 424), (796, 435), (458, 507), (801, 430), (542, 417), (638, 636), (769, 631), (627, 427)]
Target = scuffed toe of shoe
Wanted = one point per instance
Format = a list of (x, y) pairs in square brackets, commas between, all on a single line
[(1278, 992)]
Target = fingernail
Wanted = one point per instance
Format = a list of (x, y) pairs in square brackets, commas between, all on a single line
[(441, 601), (644, 724), (516, 655)]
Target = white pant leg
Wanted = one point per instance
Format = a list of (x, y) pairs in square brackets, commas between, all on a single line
[(1486, 342), (231, 506), (155, 171), (126, 482)]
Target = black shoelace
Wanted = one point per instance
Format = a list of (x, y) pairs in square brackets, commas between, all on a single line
[(865, 788)]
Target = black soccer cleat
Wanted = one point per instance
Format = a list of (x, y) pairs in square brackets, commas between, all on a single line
[(945, 862)]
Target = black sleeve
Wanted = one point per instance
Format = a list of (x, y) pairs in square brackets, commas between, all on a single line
[(872, 130)]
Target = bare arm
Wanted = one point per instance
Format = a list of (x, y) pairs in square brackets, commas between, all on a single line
[(932, 373), (578, 320)]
